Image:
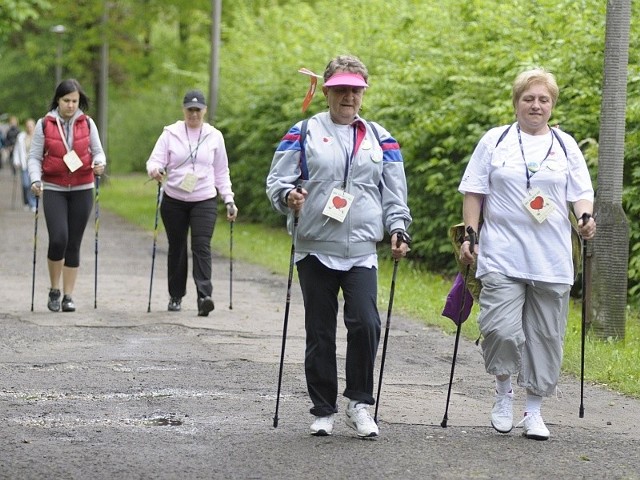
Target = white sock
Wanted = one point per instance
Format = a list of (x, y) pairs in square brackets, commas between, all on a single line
[(503, 386), (352, 403), (534, 402)]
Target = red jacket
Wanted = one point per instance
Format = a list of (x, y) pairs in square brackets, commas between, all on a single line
[(54, 170)]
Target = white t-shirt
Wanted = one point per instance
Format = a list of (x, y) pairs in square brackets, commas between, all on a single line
[(511, 240)]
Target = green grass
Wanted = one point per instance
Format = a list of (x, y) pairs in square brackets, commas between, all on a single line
[(418, 294)]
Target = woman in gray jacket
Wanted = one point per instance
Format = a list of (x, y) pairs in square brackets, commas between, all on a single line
[(352, 188)]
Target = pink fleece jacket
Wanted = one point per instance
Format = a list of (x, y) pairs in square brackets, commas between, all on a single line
[(206, 159)]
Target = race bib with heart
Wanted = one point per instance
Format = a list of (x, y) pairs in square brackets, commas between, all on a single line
[(539, 205), (338, 205)]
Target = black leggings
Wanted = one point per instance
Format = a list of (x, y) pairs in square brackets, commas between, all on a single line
[(66, 214)]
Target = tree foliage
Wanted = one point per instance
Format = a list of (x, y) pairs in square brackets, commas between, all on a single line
[(14, 14), (440, 77)]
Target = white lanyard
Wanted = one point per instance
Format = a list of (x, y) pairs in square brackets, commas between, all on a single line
[(62, 135)]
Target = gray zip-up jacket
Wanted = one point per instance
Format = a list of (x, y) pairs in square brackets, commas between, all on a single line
[(374, 176)]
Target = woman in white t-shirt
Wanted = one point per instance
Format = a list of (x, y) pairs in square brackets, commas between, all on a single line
[(522, 179)]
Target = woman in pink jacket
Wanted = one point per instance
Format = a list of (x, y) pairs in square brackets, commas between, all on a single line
[(190, 157)]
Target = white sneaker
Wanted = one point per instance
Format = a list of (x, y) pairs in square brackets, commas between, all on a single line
[(359, 419), (323, 426), (502, 412), (534, 427)]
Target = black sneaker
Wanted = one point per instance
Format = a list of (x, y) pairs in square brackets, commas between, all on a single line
[(205, 305), (174, 304), (54, 300), (67, 304)]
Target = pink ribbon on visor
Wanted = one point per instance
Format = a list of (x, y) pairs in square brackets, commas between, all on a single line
[(312, 87)]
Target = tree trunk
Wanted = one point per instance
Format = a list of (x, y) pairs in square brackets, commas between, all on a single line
[(610, 247)]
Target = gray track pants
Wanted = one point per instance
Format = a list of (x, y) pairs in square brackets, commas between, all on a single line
[(523, 324)]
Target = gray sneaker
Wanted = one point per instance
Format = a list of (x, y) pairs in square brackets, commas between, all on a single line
[(502, 413), (53, 303), (175, 304), (67, 304), (359, 419), (205, 305)]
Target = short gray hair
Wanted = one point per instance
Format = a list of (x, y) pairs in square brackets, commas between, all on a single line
[(346, 63)]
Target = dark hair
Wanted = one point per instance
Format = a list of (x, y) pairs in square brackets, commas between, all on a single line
[(68, 86)]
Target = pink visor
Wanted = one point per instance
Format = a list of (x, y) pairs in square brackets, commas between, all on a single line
[(346, 78)]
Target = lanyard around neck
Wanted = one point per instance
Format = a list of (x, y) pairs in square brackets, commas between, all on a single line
[(63, 135), (348, 156), (531, 168), (193, 154), (349, 159)]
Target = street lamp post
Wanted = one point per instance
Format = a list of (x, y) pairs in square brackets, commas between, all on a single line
[(59, 30)]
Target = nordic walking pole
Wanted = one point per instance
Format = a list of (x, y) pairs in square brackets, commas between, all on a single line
[(97, 228), (286, 309), (14, 189), (399, 240), (35, 243), (155, 242), (472, 242), (231, 265), (585, 219)]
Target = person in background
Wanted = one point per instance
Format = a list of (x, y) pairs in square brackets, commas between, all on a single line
[(191, 156), (9, 140), (522, 178), (20, 155), (352, 188), (65, 156)]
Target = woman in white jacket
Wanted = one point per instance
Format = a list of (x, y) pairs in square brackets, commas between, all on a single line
[(191, 158), (20, 156)]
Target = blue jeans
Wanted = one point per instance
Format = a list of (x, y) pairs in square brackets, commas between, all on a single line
[(27, 195)]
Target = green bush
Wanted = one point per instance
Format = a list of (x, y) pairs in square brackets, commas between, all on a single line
[(439, 79)]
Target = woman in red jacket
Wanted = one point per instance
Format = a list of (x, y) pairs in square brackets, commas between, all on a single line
[(65, 156)]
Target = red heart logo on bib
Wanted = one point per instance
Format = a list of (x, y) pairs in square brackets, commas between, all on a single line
[(537, 203), (339, 202)]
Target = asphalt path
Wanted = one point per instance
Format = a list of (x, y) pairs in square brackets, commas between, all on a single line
[(116, 392)]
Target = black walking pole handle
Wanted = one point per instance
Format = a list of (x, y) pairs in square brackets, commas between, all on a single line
[(296, 213), (472, 238), (585, 218), (400, 239), (298, 189)]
